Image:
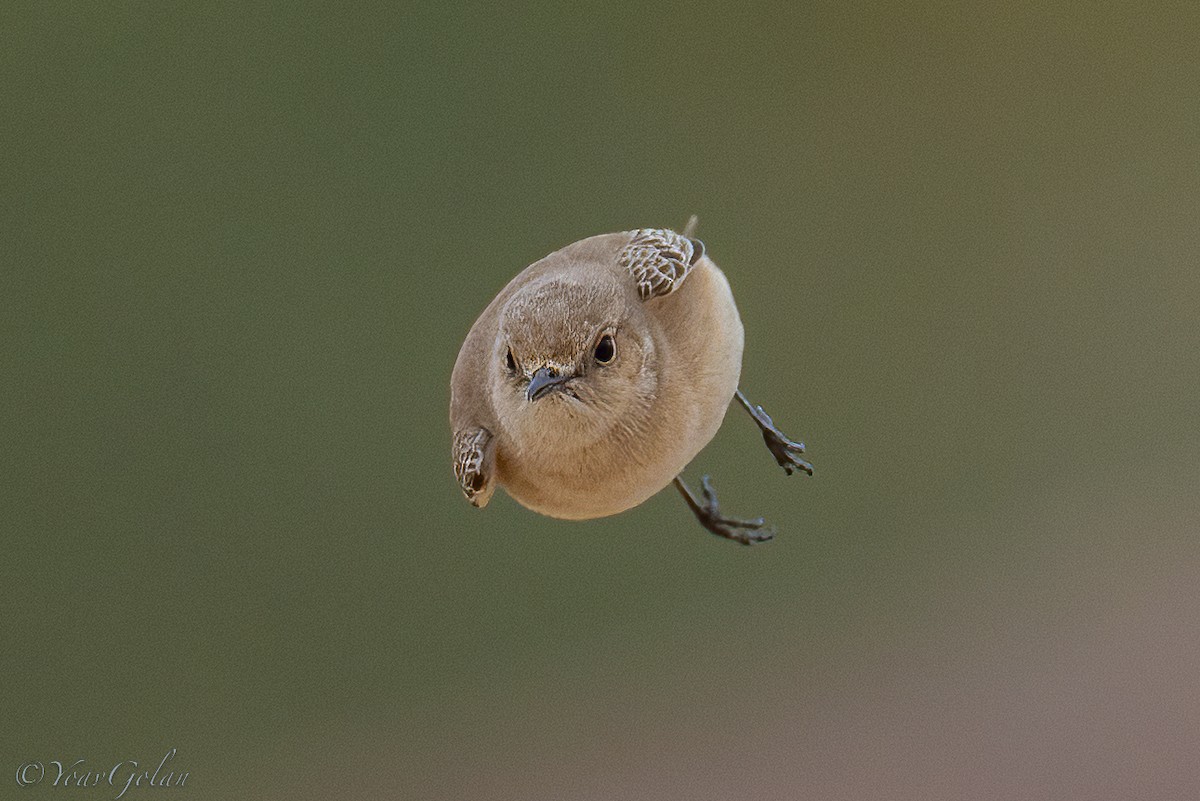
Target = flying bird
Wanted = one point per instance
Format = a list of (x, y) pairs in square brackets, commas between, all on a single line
[(597, 374)]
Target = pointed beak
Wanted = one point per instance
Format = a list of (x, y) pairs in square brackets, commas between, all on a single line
[(544, 380)]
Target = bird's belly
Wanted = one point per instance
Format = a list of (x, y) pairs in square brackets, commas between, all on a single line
[(613, 475), (592, 484)]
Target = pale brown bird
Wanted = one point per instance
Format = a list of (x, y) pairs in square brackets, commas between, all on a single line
[(597, 374)]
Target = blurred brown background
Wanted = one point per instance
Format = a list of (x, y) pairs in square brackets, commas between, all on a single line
[(241, 245)]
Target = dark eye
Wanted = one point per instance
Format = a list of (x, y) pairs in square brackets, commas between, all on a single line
[(606, 349), (510, 362)]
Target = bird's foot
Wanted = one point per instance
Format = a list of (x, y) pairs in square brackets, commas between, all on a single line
[(746, 532), (785, 450)]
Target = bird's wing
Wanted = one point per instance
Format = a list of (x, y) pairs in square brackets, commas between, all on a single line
[(474, 457), (659, 260)]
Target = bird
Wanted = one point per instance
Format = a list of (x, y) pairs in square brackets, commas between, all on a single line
[(598, 373)]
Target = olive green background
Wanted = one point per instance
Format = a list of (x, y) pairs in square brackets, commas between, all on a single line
[(241, 243)]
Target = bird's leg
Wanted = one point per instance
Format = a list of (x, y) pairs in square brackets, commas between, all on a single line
[(747, 532), (785, 451)]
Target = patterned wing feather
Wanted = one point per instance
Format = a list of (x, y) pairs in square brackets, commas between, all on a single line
[(473, 464), (659, 260)]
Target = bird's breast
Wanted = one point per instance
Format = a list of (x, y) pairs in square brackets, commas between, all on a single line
[(563, 477)]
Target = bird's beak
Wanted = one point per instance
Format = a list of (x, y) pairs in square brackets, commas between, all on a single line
[(544, 380)]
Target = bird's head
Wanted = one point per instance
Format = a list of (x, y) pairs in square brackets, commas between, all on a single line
[(572, 361)]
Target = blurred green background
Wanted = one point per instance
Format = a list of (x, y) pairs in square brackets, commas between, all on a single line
[(242, 243)]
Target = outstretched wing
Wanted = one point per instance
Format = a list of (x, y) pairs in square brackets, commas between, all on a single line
[(473, 453), (659, 260)]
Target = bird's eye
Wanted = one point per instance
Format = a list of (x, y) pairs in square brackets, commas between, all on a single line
[(510, 362), (606, 349)]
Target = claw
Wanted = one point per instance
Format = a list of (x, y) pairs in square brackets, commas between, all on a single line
[(786, 452), (746, 532)]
